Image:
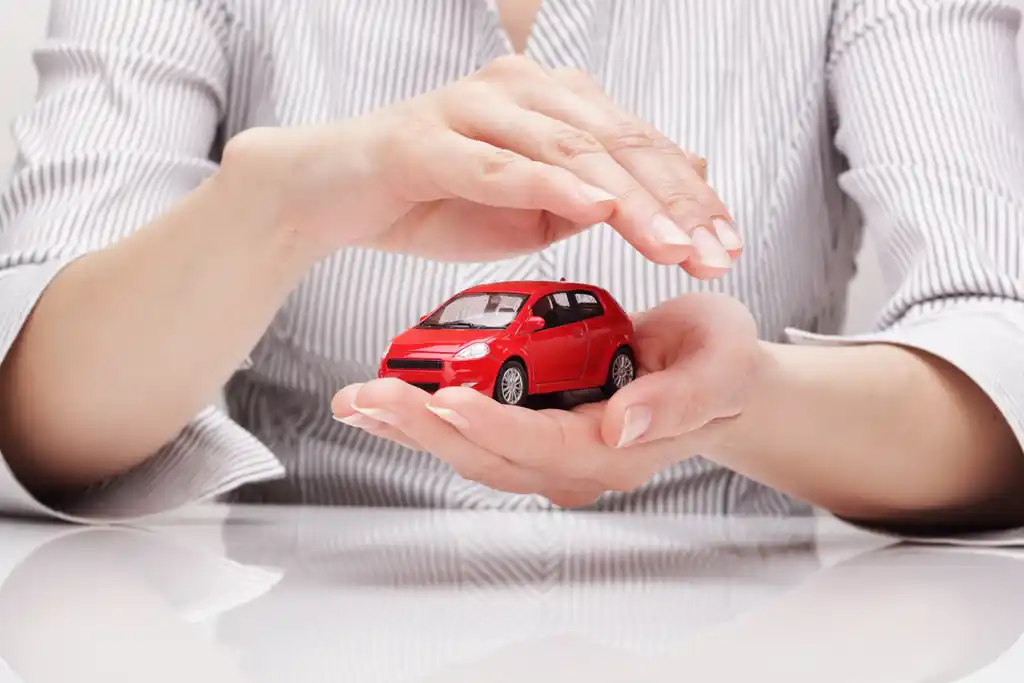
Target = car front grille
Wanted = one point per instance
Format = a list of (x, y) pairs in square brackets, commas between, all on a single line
[(414, 364), (429, 387)]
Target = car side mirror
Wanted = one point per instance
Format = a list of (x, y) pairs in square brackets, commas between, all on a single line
[(532, 324)]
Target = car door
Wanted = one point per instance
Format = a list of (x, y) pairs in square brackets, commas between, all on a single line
[(598, 330), (559, 349)]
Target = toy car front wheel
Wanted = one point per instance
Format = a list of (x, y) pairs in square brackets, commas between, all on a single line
[(621, 371), (510, 387)]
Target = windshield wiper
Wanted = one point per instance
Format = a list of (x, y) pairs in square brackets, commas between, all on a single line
[(463, 325)]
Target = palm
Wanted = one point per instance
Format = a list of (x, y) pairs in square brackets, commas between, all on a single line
[(460, 230), (706, 336)]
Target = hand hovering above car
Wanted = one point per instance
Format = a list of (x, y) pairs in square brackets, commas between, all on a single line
[(698, 360), (504, 161)]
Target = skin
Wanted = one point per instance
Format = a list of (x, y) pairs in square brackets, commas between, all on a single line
[(536, 156)]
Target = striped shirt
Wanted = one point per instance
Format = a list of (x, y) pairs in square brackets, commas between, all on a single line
[(820, 121)]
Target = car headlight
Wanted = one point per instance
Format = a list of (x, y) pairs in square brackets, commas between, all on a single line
[(473, 351)]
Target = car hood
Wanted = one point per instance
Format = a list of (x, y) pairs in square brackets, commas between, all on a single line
[(437, 341)]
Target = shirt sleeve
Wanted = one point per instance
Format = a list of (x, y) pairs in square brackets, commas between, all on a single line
[(930, 118), (130, 97)]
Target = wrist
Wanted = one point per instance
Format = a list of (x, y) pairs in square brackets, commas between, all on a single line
[(256, 221), (770, 382)]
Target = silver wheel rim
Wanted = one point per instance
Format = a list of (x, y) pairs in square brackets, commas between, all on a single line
[(622, 371), (512, 385)]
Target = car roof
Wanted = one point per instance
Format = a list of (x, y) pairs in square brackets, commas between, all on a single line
[(529, 287)]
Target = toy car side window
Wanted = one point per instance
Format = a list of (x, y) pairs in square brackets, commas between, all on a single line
[(555, 309), (542, 308), (588, 305)]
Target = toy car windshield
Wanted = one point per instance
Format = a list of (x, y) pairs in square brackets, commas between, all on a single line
[(476, 311)]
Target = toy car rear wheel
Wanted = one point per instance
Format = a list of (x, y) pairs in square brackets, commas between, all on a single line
[(621, 371), (510, 387)]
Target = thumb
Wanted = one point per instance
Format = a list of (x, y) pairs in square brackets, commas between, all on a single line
[(668, 403)]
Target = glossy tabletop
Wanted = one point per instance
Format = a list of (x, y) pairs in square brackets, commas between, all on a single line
[(275, 595)]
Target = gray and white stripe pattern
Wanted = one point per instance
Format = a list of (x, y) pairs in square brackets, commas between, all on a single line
[(903, 117)]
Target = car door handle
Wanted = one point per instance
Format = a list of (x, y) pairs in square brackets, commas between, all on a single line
[(578, 332)]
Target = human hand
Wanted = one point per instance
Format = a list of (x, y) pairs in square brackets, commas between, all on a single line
[(698, 361), (505, 161)]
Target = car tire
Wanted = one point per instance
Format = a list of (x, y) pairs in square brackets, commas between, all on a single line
[(510, 386), (621, 371)]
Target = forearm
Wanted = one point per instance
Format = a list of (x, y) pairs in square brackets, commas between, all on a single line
[(128, 343), (878, 433)]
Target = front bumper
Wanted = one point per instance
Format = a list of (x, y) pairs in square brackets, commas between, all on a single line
[(479, 374)]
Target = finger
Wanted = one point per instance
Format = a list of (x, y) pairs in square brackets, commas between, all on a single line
[(700, 271), (658, 163), (382, 430), (404, 407), (565, 446), (638, 216), (341, 403), (676, 401), (482, 173), (341, 407), (583, 85)]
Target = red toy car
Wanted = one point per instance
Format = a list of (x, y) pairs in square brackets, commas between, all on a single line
[(513, 339)]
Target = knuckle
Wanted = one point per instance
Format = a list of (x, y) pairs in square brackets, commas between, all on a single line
[(570, 143), (634, 193), (507, 67), (467, 95), (632, 136), (572, 76), (494, 167), (401, 138), (248, 145), (679, 199)]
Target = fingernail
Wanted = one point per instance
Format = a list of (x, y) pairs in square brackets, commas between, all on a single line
[(728, 235), (710, 250), (378, 414), (666, 231), (635, 423), (700, 164), (595, 195), (450, 416), (354, 420)]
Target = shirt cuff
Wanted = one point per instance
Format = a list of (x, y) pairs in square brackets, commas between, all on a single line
[(985, 340), (210, 456)]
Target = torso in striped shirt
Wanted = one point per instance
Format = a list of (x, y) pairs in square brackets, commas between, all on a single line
[(739, 82)]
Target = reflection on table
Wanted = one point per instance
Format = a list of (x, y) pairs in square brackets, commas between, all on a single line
[(292, 594)]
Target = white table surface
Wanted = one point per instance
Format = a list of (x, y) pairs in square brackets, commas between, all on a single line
[(277, 595)]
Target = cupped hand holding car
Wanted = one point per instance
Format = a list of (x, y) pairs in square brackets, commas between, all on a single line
[(505, 161), (699, 364)]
